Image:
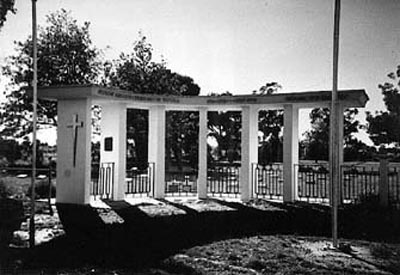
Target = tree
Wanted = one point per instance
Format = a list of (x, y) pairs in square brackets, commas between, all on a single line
[(268, 89), (139, 73), (225, 128), (384, 127), (65, 56), (5, 7), (316, 142), (270, 123)]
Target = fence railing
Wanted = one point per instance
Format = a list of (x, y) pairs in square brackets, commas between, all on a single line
[(267, 181), (181, 183), (223, 181), (394, 186), (140, 182), (313, 182), (359, 181), (103, 186)]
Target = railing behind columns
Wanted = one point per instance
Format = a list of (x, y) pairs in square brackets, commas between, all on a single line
[(358, 182), (267, 181), (313, 182), (394, 186), (223, 181), (103, 186), (181, 183), (140, 182)]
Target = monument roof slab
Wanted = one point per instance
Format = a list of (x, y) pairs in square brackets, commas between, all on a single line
[(101, 95)]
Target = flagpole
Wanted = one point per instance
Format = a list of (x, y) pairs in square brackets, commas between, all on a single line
[(334, 137), (34, 118)]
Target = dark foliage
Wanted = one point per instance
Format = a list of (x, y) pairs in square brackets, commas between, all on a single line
[(384, 127), (43, 190), (316, 143), (5, 7), (65, 56), (139, 73)]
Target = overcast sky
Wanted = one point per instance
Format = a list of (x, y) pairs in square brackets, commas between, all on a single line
[(238, 45)]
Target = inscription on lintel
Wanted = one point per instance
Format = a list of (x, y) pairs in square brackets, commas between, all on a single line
[(120, 95)]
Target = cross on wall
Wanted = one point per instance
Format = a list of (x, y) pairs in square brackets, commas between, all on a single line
[(75, 125)]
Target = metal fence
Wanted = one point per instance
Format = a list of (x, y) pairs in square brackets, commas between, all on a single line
[(140, 182), (181, 183), (313, 182), (103, 186), (358, 182), (223, 181), (267, 181), (394, 185)]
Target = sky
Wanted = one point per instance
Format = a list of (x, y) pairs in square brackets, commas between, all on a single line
[(239, 45)]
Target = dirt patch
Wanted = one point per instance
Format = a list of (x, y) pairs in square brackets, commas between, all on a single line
[(280, 255)]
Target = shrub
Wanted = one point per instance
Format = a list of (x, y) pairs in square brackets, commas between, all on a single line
[(42, 190), (5, 190)]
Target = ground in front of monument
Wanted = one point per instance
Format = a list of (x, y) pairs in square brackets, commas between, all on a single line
[(190, 236)]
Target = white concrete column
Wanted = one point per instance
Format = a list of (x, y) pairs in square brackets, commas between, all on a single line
[(157, 148), (202, 173), (113, 129), (341, 133), (341, 147), (290, 152), (249, 150), (73, 151)]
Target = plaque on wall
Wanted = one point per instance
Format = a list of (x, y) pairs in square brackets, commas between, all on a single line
[(108, 144)]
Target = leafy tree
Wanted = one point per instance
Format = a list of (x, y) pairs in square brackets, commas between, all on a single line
[(317, 139), (137, 72), (225, 128), (270, 123), (9, 150), (5, 7), (182, 139), (384, 127), (268, 89), (65, 56)]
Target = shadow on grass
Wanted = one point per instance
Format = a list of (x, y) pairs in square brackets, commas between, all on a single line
[(127, 236)]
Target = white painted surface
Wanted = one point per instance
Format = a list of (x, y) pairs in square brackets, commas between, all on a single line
[(249, 144), (290, 152), (73, 182), (99, 94), (202, 174), (157, 148), (113, 124)]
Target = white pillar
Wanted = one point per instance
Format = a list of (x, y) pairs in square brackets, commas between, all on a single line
[(113, 129), (249, 150), (157, 148), (202, 173), (73, 151), (341, 133), (341, 147), (290, 151)]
